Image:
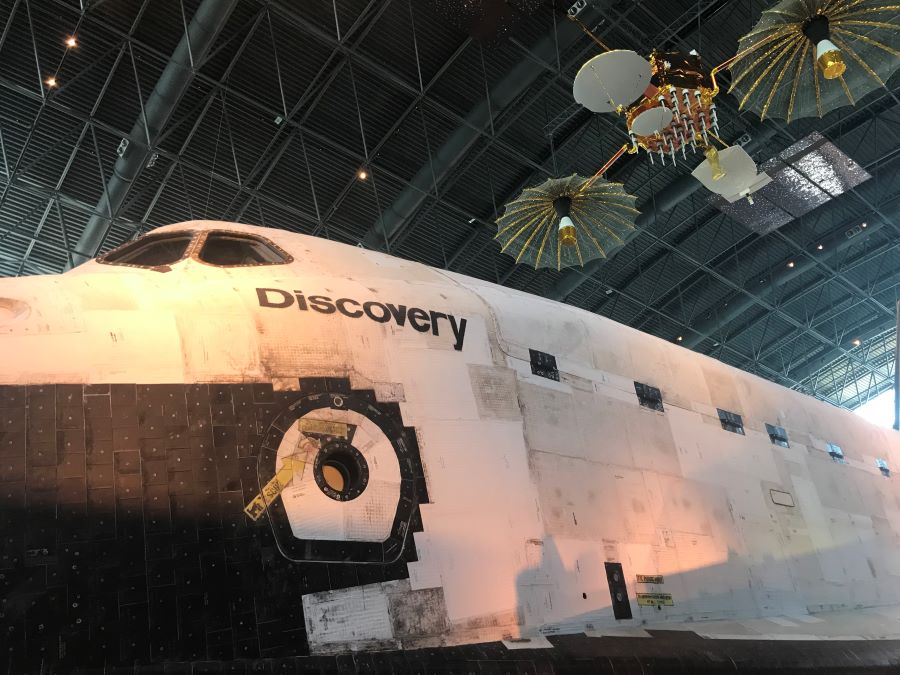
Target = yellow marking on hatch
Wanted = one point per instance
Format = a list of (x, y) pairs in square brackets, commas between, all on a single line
[(292, 465)]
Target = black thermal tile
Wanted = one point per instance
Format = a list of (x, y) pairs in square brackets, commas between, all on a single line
[(155, 471), (12, 396), (161, 573), (96, 407), (127, 461), (41, 454), (12, 468), (12, 444), (175, 413), (98, 430), (71, 440), (152, 449), (177, 436), (13, 420), (70, 416), (152, 426), (123, 394), (123, 416), (72, 490), (126, 438), (71, 464), (99, 452), (100, 475), (41, 429)]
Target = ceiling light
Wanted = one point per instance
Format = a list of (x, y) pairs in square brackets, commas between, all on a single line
[(857, 342), (819, 247), (862, 224), (791, 263), (50, 82), (71, 42), (363, 174), (679, 338)]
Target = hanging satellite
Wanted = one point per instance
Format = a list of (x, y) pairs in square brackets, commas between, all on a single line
[(730, 172), (668, 104), (808, 57), (667, 101), (566, 221)]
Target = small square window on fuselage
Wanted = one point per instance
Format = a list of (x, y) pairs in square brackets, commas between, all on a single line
[(731, 421), (649, 397), (835, 452), (543, 364), (777, 435), (883, 468)]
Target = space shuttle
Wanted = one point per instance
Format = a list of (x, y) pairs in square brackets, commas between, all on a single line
[(227, 444)]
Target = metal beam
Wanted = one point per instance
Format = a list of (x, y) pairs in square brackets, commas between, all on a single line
[(738, 247), (198, 39), (818, 362), (479, 120), (897, 369), (763, 285)]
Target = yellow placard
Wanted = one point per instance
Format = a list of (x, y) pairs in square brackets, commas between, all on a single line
[(649, 578), (307, 447), (654, 599), (273, 488), (337, 429)]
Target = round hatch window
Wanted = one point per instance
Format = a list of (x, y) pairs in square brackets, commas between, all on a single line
[(341, 471)]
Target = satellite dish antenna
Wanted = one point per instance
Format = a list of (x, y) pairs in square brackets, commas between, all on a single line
[(651, 121), (732, 174), (611, 79)]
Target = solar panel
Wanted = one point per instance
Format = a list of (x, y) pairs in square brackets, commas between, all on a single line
[(804, 176)]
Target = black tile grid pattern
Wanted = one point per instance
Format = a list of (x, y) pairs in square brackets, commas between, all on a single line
[(124, 550), (123, 534)]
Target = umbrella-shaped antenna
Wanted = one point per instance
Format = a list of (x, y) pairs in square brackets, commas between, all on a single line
[(808, 57), (566, 221)]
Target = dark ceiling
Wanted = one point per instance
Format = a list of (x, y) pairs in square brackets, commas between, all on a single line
[(290, 100)]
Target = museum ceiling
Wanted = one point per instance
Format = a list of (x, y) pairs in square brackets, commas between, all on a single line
[(407, 125)]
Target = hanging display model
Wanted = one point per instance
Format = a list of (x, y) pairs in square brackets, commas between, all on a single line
[(566, 221), (808, 57), (667, 101), (803, 58)]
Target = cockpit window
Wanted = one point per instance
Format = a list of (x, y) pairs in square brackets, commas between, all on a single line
[(230, 249), (152, 251)]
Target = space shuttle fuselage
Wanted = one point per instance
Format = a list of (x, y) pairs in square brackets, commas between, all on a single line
[(228, 442)]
